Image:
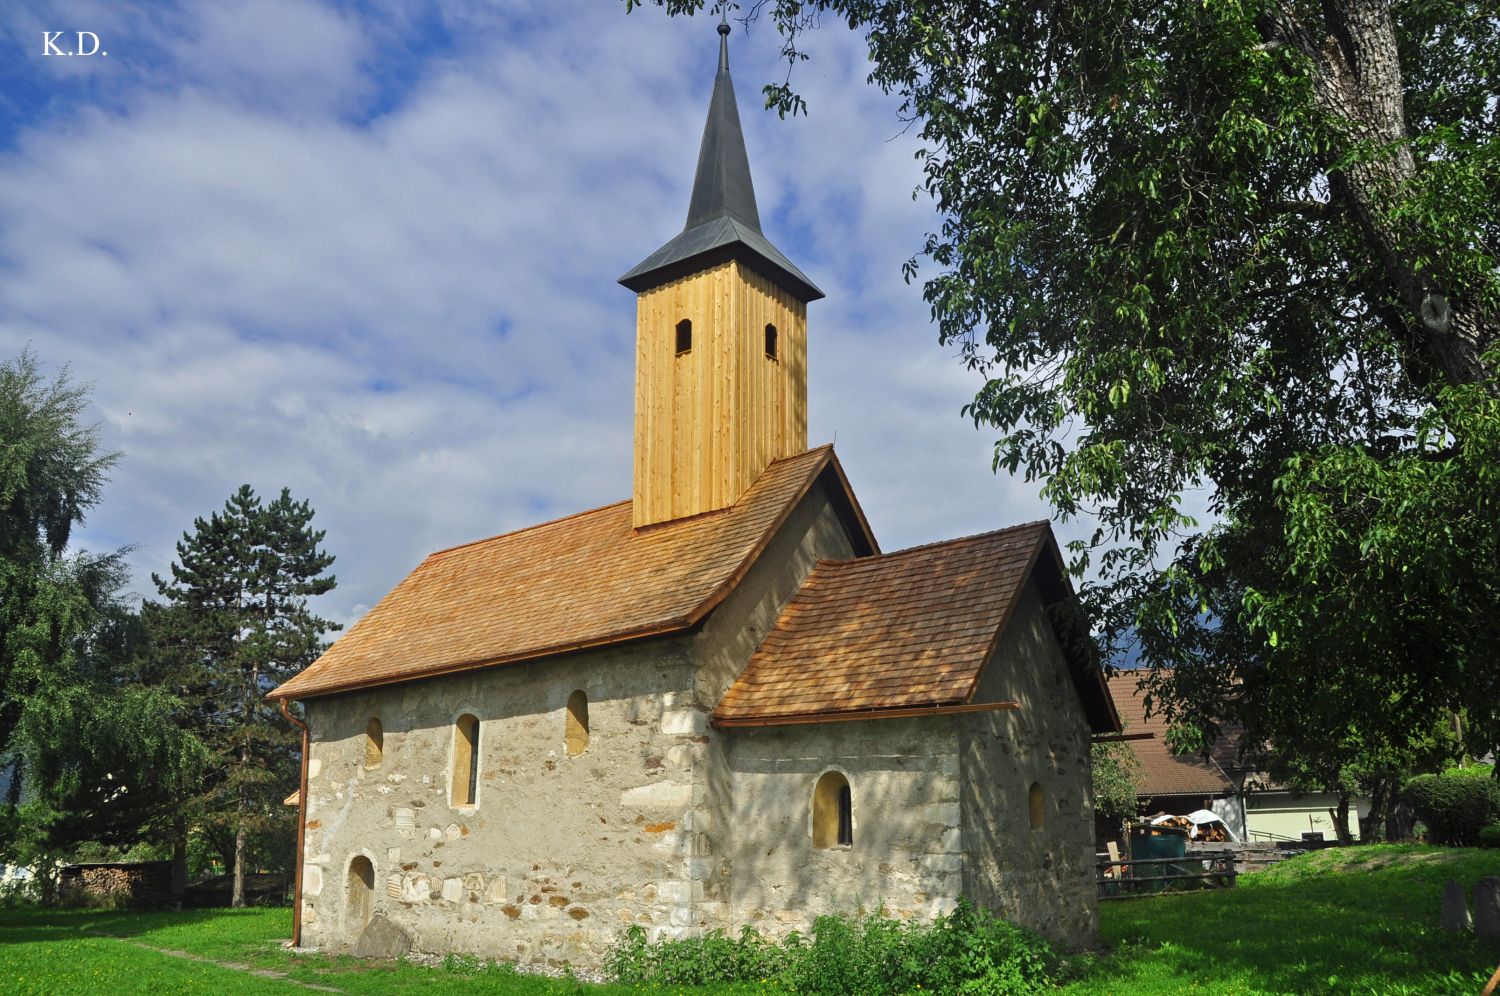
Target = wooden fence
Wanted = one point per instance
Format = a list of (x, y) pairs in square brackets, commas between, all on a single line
[(1125, 878)]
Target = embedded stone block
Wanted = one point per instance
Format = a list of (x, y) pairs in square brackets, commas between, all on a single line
[(1487, 907), (312, 880), (945, 814), (658, 795), (382, 938), (453, 890), (1455, 915), (684, 722), (416, 889)]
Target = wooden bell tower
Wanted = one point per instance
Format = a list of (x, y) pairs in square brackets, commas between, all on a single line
[(721, 339)]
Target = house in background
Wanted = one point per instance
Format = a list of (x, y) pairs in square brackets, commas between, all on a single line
[(1253, 808), (713, 704)]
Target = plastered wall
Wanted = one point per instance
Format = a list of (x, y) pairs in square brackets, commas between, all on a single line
[(904, 780), (1043, 877)]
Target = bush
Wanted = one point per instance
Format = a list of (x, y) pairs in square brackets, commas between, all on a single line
[(1490, 836), (969, 952), (1455, 805)]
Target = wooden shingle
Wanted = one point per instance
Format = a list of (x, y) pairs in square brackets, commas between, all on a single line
[(898, 631), (588, 580)]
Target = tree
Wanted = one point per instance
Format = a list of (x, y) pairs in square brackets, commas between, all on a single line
[(235, 623), (1244, 247), (52, 471), (1117, 781), (97, 750)]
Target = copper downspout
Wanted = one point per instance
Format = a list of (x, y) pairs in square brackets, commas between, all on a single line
[(301, 829)]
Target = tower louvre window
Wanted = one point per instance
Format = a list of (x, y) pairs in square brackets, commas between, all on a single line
[(684, 336), (771, 341)]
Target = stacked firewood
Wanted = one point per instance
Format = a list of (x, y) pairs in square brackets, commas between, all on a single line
[(1213, 833)]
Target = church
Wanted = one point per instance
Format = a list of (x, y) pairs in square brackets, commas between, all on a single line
[(715, 703)]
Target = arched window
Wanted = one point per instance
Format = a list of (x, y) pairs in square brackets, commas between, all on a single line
[(576, 726), (374, 743), (684, 336), (359, 895), (771, 341), (833, 812), (1036, 801), (465, 787)]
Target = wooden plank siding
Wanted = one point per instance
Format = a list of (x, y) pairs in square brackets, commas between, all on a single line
[(710, 420)]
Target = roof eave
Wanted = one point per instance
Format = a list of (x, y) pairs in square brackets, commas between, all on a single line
[(651, 273)]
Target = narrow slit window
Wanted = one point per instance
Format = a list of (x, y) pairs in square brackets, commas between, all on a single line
[(833, 812), (465, 787), (576, 732), (374, 743), (684, 336), (771, 341), (1036, 802), (846, 817)]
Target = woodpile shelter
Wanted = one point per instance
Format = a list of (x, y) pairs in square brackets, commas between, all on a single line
[(715, 703)]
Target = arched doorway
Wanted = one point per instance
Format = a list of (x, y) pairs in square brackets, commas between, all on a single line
[(359, 895)]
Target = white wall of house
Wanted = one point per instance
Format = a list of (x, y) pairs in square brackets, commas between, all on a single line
[(1285, 815)]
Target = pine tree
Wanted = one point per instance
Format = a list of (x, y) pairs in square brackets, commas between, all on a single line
[(234, 624)]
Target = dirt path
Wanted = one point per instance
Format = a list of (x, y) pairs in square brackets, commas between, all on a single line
[(234, 966)]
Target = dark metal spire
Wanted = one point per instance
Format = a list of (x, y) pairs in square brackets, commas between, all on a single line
[(722, 218)]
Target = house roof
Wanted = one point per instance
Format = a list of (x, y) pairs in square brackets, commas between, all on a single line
[(587, 580), (903, 630), (1162, 772), (722, 222)]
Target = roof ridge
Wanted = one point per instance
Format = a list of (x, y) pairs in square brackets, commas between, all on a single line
[(920, 547), (526, 529)]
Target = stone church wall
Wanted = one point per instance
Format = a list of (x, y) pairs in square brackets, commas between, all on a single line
[(559, 853), (904, 781), (1041, 876), (722, 647)]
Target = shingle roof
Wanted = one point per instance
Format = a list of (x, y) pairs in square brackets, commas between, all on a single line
[(1162, 772), (906, 629), (583, 581)]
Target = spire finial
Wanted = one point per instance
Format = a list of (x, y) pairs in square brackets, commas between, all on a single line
[(724, 37)]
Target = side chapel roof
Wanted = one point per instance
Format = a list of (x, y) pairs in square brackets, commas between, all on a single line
[(584, 581), (903, 630)]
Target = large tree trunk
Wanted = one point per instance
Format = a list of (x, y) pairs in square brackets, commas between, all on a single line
[(179, 862), (1340, 815), (237, 899), (1357, 80), (1372, 825)]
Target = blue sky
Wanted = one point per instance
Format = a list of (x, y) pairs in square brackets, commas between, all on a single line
[(368, 251)]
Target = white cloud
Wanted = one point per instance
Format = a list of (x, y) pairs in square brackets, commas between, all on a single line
[(401, 303)]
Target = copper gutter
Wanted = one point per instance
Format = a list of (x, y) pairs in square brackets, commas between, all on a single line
[(301, 829), (850, 717)]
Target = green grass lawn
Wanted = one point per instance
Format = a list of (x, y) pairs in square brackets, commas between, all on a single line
[(1358, 920), (1350, 920)]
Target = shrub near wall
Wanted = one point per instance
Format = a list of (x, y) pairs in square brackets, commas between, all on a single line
[(1455, 805), (969, 952)]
